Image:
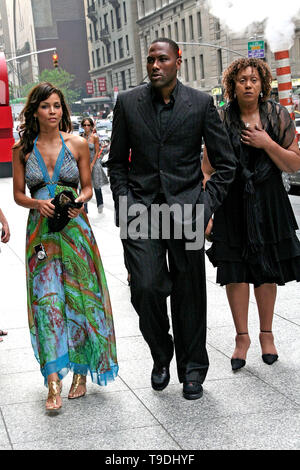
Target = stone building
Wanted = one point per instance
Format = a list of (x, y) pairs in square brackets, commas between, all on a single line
[(213, 48), (35, 25), (114, 53)]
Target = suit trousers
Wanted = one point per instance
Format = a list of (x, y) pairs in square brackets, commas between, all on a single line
[(160, 268)]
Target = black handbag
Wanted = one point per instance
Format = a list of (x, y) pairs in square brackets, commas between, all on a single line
[(62, 202)]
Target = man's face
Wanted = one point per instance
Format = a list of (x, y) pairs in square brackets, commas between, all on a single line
[(162, 65)]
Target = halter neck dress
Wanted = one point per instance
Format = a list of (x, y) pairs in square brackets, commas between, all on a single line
[(69, 310), (99, 177)]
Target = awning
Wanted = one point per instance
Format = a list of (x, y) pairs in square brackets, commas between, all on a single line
[(97, 99)]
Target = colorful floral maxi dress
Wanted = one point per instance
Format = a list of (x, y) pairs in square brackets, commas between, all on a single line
[(69, 310)]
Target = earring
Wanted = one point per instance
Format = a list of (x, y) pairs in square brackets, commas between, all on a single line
[(261, 94), (36, 124), (234, 96)]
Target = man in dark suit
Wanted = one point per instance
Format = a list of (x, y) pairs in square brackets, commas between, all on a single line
[(161, 126)]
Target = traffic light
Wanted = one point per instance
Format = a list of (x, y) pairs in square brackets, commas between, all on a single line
[(55, 59)]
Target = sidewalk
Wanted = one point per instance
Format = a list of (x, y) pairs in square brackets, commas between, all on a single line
[(256, 408)]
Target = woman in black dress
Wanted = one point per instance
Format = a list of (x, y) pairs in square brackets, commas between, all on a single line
[(253, 232)]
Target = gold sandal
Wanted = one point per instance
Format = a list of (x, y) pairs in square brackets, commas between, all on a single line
[(78, 380), (55, 388)]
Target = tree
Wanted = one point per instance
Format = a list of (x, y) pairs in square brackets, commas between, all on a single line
[(59, 78)]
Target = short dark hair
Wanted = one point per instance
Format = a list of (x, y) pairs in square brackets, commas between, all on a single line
[(172, 43)]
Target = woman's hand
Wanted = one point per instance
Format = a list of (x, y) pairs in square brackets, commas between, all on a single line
[(5, 235), (45, 207), (73, 213), (255, 137)]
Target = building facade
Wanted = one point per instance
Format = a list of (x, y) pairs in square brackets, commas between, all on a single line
[(19, 40), (211, 47), (114, 53), (35, 25), (61, 24)]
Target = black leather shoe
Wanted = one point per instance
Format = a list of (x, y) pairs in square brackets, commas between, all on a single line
[(160, 377), (269, 358), (237, 364), (192, 390)]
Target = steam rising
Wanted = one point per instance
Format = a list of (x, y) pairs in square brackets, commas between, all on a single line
[(277, 16)]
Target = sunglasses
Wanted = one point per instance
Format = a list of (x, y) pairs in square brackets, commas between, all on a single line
[(86, 125)]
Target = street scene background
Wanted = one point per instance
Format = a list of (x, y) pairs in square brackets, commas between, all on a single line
[(94, 50)]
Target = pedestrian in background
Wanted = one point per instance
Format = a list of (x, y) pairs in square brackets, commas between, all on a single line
[(99, 177), (69, 309), (253, 232), (5, 236), (163, 124)]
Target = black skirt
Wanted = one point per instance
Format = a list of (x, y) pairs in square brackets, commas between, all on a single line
[(281, 247)]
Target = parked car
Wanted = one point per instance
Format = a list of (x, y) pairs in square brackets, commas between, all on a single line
[(292, 180), (103, 128)]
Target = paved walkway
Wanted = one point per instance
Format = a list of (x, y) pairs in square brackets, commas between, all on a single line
[(256, 408)]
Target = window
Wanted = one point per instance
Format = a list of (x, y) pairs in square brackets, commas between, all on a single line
[(123, 79), (219, 61), (191, 24), (93, 59), (183, 30), (115, 50), (118, 17), (98, 57), (176, 31), (121, 49), (106, 21), (103, 55), (95, 31), (169, 32), (112, 20), (129, 77), (108, 53), (194, 71), (217, 29), (186, 70), (91, 33), (199, 25), (125, 12), (127, 45), (202, 74)]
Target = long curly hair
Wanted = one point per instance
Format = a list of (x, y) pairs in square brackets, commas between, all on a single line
[(230, 75), (29, 127)]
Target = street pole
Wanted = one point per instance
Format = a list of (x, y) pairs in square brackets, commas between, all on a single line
[(208, 44), (31, 53)]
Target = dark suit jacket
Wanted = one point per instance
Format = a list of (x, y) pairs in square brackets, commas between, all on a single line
[(171, 162)]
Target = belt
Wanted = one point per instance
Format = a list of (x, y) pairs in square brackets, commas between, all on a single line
[(59, 183)]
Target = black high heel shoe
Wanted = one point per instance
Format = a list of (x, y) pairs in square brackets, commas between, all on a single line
[(237, 363), (269, 359)]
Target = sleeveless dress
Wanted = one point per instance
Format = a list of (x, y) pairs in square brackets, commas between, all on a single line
[(99, 177), (69, 310), (254, 239)]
